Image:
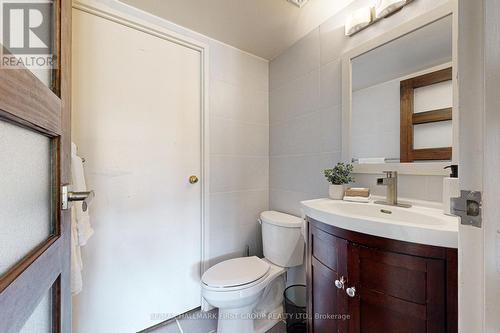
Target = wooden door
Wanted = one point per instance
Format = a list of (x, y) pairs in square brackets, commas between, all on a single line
[(396, 292), (34, 163), (328, 301)]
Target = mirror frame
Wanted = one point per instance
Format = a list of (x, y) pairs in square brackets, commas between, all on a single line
[(424, 168)]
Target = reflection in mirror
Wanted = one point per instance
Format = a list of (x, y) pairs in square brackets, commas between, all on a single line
[(402, 97)]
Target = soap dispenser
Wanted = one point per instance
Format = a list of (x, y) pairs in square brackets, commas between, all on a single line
[(450, 188)]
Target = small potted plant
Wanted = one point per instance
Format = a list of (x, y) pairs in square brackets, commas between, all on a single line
[(338, 177)]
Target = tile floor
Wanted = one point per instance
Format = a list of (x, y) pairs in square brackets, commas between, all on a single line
[(198, 322)]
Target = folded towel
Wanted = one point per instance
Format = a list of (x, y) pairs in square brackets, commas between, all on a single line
[(357, 199), (357, 192), (371, 160)]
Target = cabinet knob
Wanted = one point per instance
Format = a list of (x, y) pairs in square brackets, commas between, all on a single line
[(351, 292), (340, 283)]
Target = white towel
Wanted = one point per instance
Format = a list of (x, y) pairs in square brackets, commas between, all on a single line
[(81, 229), (357, 199), (84, 229), (76, 259)]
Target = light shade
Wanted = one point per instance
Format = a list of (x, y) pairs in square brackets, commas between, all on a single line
[(358, 20), (386, 7), (298, 3)]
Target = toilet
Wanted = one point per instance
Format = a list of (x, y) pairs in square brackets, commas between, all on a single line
[(249, 291)]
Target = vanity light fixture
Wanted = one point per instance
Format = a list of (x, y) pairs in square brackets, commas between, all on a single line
[(358, 20), (366, 16), (298, 3), (386, 7)]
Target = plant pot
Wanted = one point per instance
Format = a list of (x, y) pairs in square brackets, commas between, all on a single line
[(336, 192)]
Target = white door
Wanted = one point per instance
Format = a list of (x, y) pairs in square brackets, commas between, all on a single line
[(137, 122)]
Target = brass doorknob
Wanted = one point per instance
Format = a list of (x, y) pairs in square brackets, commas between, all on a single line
[(193, 179)]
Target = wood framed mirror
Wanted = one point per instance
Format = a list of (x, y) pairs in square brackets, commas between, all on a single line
[(385, 123)]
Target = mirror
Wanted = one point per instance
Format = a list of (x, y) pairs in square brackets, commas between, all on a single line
[(402, 98)]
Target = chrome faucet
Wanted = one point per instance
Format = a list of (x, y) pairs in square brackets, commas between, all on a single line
[(391, 181)]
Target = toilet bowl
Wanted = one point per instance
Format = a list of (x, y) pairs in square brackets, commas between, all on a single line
[(249, 291)]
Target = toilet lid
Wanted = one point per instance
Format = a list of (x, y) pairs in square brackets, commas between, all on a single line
[(281, 219), (235, 272)]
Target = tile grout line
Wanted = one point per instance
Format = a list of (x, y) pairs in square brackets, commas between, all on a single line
[(306, 114), (293, 79), (239, 155), (238, 121), (306, 154), (240, 85)]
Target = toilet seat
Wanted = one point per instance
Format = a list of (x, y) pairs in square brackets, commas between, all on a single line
[(237, 293), (242, 287), (236, 273)]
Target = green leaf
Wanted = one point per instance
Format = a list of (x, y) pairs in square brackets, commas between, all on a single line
[(340, 174)]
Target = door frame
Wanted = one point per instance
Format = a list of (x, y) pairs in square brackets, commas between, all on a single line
[(479, 79), (491, 171), (139, 20), (471, 109)]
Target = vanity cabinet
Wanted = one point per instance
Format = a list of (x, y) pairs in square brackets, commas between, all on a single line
[(382, 285)]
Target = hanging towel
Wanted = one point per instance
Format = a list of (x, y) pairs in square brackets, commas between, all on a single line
[(81, 229), (76, 259), (84, 229)]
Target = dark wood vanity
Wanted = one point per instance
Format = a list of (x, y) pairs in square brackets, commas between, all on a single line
[(383, 285)]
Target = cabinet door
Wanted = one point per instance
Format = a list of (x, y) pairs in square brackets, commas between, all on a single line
[(328, 304), (395, 292)]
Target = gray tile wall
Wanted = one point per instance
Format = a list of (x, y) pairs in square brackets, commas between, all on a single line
[(239, 151), (305, 112)]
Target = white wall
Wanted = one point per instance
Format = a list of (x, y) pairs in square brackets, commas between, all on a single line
[(305, 111), (239, 151), (376, 121)]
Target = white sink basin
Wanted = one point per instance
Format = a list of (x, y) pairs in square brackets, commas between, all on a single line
[(420, 225)]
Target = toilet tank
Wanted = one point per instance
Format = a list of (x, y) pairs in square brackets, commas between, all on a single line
[(282, 238)]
